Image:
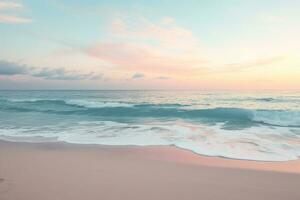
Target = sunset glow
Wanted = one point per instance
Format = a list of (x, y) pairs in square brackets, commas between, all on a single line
[(199, 45)]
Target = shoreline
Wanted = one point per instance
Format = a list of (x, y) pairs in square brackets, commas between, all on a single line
[(172, 153), (58, 170)]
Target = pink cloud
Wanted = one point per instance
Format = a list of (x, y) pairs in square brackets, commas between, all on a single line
[(162, 49), (130, 56), (147, 47), (165, 32), (9, 19), (9, 5)]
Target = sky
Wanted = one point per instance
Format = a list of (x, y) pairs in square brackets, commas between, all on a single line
[(127, 44)]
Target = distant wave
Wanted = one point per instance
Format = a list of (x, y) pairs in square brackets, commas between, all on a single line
[(265, 99), (83, 103), (95, 104), (121, 110), (262, 99)]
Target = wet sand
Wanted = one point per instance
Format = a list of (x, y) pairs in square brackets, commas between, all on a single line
[(60, 171)]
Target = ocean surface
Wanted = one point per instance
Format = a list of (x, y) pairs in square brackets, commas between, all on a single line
[(251, 126)]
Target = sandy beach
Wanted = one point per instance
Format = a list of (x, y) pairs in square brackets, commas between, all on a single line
[(149, 100), (65, 171)]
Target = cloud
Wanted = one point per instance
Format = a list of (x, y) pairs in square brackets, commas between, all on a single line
[(163, 77), (63, 74), (166, 31), (253, 63), (11, 69), (8, 13), (138, 75), (4, 5), (8, 19), (162, 47)]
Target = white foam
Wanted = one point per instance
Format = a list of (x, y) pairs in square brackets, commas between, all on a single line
[(28, 100), (97, 104), (255, 143)]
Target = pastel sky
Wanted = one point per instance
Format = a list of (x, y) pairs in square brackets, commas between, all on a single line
[(157, 44)]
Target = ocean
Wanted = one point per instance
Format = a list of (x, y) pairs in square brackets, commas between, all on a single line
[(237, 125)]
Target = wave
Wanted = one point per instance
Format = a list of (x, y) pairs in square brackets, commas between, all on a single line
[(277, 117), (96, 104), (88, 104), (265, 99), (255, 143), (285, 118)]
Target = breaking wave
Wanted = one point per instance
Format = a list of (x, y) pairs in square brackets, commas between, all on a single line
[(285, 118)]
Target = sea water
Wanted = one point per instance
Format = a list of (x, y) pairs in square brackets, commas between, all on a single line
[(238, 125)]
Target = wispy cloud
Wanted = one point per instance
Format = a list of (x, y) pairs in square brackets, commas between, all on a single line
[(165, 32), (138, 75), (231, 67), (9, 13), (11, 69), (162, 47), (63, 74), (10, 5), (163, 77), (8, 19)]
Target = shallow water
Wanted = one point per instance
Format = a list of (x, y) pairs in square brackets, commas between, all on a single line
[(252, 126)]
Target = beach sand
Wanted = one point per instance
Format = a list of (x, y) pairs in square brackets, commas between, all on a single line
[(60, 171)]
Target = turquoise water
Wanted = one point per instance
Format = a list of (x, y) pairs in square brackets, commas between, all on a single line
[(252, 126)]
